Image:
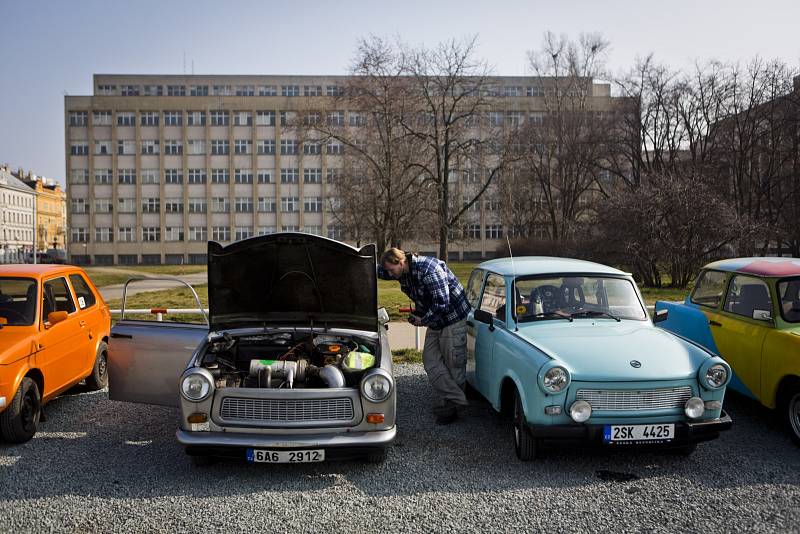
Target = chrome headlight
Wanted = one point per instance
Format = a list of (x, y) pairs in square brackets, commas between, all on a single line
[(196, 386), (716, 376), (376, 387), (555, 380), (695, 407), (580, 411)]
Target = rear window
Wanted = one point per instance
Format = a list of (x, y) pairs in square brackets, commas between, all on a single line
[(789, 295), (83, 292), (709, 289)]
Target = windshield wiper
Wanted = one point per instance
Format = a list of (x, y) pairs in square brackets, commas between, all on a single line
[(595, 313), (549, 315)]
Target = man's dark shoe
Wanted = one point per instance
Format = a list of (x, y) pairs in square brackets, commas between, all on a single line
[(445, 414)]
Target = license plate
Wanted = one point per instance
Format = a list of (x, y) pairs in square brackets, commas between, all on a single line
[(285, 457), (638, 433)]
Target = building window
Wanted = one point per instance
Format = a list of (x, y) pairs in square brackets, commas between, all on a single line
[(495, 118), (313, 229), (101, 118), (515, 118), (312, 204), (126, 147), (336, 118), (312, 148), (472, 176), (290, 90), (219, 118), (220, 176), (126, 205), (153, 90), (289, 204), (196, 118), (80, 148), (106, 90), (78, 206), (197, 176), (198, 90), (242, 118), (265, 118), (334, 148), (197, 205), (243, 176), (266, 230), (243, 205), (312, 90), (150, 176), (243, 146), (126, 234), (312, 175), (173, 233), (221, 233), (333, 90), (220, 205), (357, 119), (335, 232), (290, 176), (222, 90), (266, 205), (312, 118), (220, 147), (151, 233), (534, 91), (173, 118), (266, 147), (176, 90), (494, 231), (473, 231), (198, 233), (126, 176), (196, 147), (130, 90), (79, 176), (126, 118), (288, 147), (333, 174), (151, 205), (80, 235), (150, 147), (243, 232), (148, 118), (264, 176), (245, 90), (103, 235), (173, 147), (173, 205), (290, 228), (491, 205), (102, 148), (102, 176), (267, 90)]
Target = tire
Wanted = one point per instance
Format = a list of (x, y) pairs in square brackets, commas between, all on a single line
[(19, 421), (376, 457), (792, 413), (525, 445), (99, 377)]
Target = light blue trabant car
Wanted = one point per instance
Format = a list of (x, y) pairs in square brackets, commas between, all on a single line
[(566, 348)]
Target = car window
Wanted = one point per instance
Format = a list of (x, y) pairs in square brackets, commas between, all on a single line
[(56, 297), (494, 297), (18, 301), (747, 294), (789, 295), (83, 293), (709, 289), (474, 287)]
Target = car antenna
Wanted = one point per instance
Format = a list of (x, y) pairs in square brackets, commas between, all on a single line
[(513, 284)]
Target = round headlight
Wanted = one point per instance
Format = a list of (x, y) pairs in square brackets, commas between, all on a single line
[(555, 379), (694, 408), (716, 375), (195, 387), (580, 411), (376, 387)]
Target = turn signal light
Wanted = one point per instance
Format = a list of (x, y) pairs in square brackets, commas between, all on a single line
[(375, 418), (197, 418)]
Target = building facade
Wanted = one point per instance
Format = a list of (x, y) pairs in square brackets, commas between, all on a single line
[(17, 205), (51, 212), (159, 165)]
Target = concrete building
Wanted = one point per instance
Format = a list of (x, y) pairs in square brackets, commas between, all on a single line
[(157, 165), (17, 204)]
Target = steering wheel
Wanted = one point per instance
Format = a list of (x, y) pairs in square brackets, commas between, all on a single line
[(4, 311)]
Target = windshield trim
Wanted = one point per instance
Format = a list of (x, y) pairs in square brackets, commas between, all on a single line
[(36, 304), (778, 295)]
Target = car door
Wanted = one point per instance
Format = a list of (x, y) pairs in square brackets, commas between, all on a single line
[(740, 336), (493, 300), (146, 358), (474, 287), (92, 318), (62, 346)]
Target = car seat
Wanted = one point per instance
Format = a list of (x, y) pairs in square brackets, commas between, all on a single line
[(550, 298), (752, 297)]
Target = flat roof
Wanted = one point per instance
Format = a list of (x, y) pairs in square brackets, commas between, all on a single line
[(535, 265), (761, 266)]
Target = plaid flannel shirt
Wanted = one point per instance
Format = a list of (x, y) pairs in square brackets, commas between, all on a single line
[(438, 296)]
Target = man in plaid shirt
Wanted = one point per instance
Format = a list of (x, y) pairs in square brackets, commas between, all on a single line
[(440, 304)]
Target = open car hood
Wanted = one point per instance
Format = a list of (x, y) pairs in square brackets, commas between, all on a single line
[(292, 279)]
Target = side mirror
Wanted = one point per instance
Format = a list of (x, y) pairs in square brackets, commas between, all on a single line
[(762, 315), (660, 315), (383, 316), (3, 321), (482, 316), (56, 317)]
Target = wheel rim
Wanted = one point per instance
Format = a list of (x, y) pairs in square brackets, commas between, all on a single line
[(102, 365), (29, 411), (516, 423), (794, 414)]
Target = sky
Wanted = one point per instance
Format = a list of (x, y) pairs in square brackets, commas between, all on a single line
[(52, 48)]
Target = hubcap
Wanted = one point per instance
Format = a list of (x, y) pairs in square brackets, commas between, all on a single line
[(102, 365), (794, 414), (29, 412), (516, 422)]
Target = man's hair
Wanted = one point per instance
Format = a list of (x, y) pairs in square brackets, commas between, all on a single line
[(392, 256)]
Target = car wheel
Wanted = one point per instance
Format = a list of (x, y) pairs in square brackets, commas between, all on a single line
[(793, 414), (376, 457), (18, 423), (99, 377), (525, 445)]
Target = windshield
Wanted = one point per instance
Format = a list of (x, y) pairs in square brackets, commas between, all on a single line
[(577, 297), (789, 297), (17, 301)]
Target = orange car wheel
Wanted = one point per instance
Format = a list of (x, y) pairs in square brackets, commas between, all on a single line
[(99, 377), (18, 423)]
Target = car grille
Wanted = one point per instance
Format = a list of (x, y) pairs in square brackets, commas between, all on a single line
[(282, 411), (629, 400)]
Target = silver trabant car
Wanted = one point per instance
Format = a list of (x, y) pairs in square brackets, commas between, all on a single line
[(293, 366)]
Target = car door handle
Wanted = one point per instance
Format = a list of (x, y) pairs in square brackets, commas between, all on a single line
[(121, 336), (82, 323), (714, 323)]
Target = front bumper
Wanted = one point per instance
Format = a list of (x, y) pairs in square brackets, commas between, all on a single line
[(685, 432), (234, 445)]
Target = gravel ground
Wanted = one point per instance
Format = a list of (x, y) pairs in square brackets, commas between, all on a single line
[(99, 465)]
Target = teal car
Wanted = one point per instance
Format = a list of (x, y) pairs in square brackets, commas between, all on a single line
[(566, 348)]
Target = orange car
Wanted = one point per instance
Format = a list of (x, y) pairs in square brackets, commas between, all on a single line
[(54, 328)]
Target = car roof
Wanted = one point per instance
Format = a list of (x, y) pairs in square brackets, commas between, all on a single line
[(536, 265), (35, 270), (760, 266)]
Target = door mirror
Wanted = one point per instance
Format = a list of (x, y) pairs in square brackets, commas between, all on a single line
[(485, 317), (3, 321), (660, 315), (762, 315), (383, 316), (56, 317)]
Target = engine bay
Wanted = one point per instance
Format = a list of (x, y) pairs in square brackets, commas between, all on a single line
[(289, 360)]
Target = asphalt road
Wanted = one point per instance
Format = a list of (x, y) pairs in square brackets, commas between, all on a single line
[(99, 465)]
